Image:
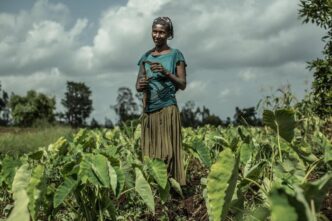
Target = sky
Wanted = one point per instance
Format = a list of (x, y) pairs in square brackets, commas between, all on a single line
[(237, 51)]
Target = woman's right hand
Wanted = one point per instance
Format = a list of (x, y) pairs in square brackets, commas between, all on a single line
[(142, 84)]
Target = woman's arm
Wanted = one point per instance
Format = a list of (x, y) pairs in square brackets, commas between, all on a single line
[(141, 82), (179, 79)]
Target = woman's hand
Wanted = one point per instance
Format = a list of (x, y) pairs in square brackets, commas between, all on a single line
[(157, 67), (142, 84)]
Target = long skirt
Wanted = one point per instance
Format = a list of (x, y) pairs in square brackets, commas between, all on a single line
[(161, 138)]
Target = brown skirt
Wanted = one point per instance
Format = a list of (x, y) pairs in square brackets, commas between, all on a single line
[(161, 138)]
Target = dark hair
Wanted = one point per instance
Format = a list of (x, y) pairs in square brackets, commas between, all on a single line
[(166, 21)]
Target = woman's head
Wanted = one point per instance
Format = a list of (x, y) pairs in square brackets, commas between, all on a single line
[(166, 24)]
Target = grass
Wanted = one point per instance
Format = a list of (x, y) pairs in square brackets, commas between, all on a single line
[(17, 141)]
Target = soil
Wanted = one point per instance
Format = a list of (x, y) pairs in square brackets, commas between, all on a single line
[(192, 206)]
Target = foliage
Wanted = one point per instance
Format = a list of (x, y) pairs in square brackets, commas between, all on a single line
[(78, 103), (18, 141), (4, 114), (246, 116), (26, 110), (94, 124), (126, 107), (191, 117), (246, 173), (319, 12)]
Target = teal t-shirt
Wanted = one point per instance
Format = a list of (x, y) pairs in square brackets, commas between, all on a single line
[(161, 90)]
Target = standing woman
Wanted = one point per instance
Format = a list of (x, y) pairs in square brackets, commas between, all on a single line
[(162, 72)]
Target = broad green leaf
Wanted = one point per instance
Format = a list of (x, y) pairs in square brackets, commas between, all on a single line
[(206, 201), (158, 170), (246, 152), (328, 153), (164, 193), (318, 189), (282, 121), (36, 155), (9, 167), (298, 201), (113, 177), (20, 195), (70, 168), (259, 213), (223, 141), (137, 134), (120, 180), (326, 143), (80, 136), (143, 188), (176, 186), (64, 190), (60, 144), (253, 173), (304, 154), (94, 168), (35, 190), (203, 152), (221, 183), (245, 138), (281, 209), (234, 144), (98, 139)]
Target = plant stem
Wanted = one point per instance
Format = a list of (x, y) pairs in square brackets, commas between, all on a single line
[(312, 167), (278, 141), (126, 191), (257, 184)]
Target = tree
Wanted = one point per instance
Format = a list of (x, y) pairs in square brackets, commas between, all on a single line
[(319, 12), (246, 116), (26, 110), (189, 115), (126, 107), (194, 118), (108, 123), (4, 111), (94, 124), (78, 103)]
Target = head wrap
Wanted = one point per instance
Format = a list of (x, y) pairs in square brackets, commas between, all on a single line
[(166, 21)]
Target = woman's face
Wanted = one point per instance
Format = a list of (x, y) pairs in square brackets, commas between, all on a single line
[(159, 34)]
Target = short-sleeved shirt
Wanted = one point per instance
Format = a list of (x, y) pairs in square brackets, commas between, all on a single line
[(161, 90)]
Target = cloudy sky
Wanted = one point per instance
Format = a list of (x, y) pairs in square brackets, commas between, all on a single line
[(237, 51)]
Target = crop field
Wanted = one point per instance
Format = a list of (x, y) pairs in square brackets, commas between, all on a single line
[(281, 171)]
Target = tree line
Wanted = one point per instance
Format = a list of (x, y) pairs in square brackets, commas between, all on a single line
[(36, 108)]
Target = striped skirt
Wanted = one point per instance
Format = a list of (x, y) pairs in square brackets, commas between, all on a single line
[(161, 138)]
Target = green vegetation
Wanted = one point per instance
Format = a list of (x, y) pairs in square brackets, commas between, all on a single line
[(319, 12), (17, 141), (278, 171), (78, 103), (234, 173), (26, 110)]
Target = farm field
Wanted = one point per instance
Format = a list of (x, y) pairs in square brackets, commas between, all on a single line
[(17, 141), (281, 171)]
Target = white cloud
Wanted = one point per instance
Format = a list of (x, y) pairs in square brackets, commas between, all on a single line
[(247, 75), (260, 42)]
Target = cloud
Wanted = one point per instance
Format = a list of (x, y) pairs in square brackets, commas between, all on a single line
[(38, 39), (247, 75), (234, 49)]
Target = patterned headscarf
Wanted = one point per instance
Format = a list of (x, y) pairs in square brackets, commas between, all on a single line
[(167, 22)]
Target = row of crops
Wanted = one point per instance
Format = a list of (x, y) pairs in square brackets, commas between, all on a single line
[(278, 172)]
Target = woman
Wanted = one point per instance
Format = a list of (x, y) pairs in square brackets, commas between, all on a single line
[(162, 72)]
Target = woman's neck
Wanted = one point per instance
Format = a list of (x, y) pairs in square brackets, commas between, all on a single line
[(161, 48)]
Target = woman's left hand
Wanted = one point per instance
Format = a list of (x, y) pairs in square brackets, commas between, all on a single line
[(157, 67)]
